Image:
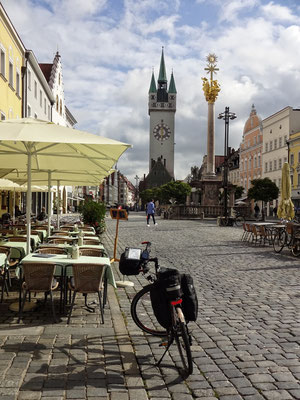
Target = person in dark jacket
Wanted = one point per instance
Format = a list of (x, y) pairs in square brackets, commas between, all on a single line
[(42, 215)]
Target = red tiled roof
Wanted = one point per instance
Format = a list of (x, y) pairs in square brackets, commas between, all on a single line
[(46, 69)]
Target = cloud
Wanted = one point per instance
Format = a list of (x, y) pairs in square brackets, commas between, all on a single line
[(108, 50)]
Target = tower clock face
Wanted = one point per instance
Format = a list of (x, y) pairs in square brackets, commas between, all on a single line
[(162, 131)]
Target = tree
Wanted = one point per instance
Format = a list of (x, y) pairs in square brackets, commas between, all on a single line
[(264, 190), (176, 191), (238, 191), (94, 214)]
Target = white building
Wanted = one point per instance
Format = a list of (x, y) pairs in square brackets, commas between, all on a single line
[(277, 129), (38, 97)]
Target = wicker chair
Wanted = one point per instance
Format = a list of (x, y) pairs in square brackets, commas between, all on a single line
[(52, 250), (92, 252), (16, 239), (4, 272), (60, 233), (87, 279), (90, 241), (61, 240), (38, 278)]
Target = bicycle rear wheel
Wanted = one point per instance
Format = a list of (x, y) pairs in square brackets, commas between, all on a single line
[(279, 241), (143, 315), (239, 220), (183, 343), (296, 247)]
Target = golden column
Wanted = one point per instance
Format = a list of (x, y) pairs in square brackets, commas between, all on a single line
[(211, 89)]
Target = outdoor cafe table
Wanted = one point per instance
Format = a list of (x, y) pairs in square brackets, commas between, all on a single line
[(68, 247), (73, 237), (21, 246), (66, 262)]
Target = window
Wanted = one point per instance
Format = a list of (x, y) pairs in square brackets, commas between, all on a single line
[(45, 106), (60, 107), (298, 157), (255, 140), (292, 180), (28, 111), (11, 74), (285, 140), (280, 141), (259, 160), (41, 98), (2, 115), (270, 130), (266, 147), (279, 182), (270, 165), (29, 79), (2, 62), (271, 145), (292, 158), (18, 83), (49, 113), (280, 163), (266, 167), (275, 143), (35, 115), (255, 162), (275, 164), (35, 89), (57, 103)]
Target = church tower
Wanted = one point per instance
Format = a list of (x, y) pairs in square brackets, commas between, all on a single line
[(162, 108)]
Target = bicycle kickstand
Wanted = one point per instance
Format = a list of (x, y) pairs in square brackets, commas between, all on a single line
[(167, 348)]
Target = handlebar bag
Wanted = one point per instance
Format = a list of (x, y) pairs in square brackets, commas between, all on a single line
[(129, 266), (189, 298)]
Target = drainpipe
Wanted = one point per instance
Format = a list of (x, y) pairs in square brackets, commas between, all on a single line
[(24, 86)]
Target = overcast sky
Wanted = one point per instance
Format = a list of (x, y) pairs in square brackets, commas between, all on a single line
[(109, 47)]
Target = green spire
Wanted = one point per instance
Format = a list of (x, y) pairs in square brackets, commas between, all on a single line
[(152, 88), (162, 70), (172, 87)]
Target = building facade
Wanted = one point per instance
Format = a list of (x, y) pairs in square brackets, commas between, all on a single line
[(12, 53), (162, 108), (250, 163), (38, 98), (294, 161)]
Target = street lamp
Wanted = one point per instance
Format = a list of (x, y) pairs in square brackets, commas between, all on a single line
[(226, 116)]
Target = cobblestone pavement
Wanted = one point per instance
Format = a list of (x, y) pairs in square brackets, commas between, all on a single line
[(246, 340)]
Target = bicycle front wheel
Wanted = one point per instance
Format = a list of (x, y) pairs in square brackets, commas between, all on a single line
[(279, 241), (183, 344), (143, 315), (296, 247), (239, 220)]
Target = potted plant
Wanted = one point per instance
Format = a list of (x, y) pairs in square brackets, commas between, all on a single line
[(94, 214)]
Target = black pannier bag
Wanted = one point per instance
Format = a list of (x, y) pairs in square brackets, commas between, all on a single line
[(166, 288), (189, 298), (130, 262), (160, 304)]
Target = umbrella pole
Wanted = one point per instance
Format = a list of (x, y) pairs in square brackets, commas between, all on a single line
[(58, 204), (28, 203), (49, 203), (14, 205)]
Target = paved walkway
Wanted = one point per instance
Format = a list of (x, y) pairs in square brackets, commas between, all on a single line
[(246, 340)]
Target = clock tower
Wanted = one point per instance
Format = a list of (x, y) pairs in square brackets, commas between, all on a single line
[(162, 108)]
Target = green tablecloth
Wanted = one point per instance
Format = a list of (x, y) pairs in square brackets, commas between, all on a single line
[(65, 261), (22, 246)]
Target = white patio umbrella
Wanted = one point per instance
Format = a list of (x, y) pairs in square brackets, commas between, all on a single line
[(43, 145)]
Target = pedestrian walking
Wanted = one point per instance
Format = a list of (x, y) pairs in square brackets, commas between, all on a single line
[(256, 209), (151, 212)]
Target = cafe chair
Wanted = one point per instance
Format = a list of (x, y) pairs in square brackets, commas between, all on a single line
[(38, 278), (87, 278), (4, 273), (51, 250), (59, 240), (11, 263), (59, 233), (92, 252), (90, 241)]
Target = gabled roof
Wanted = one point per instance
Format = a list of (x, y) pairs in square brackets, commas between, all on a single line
[(46, 69)]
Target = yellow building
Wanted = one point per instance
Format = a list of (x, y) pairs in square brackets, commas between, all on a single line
[(12, 52), (294, 161)]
